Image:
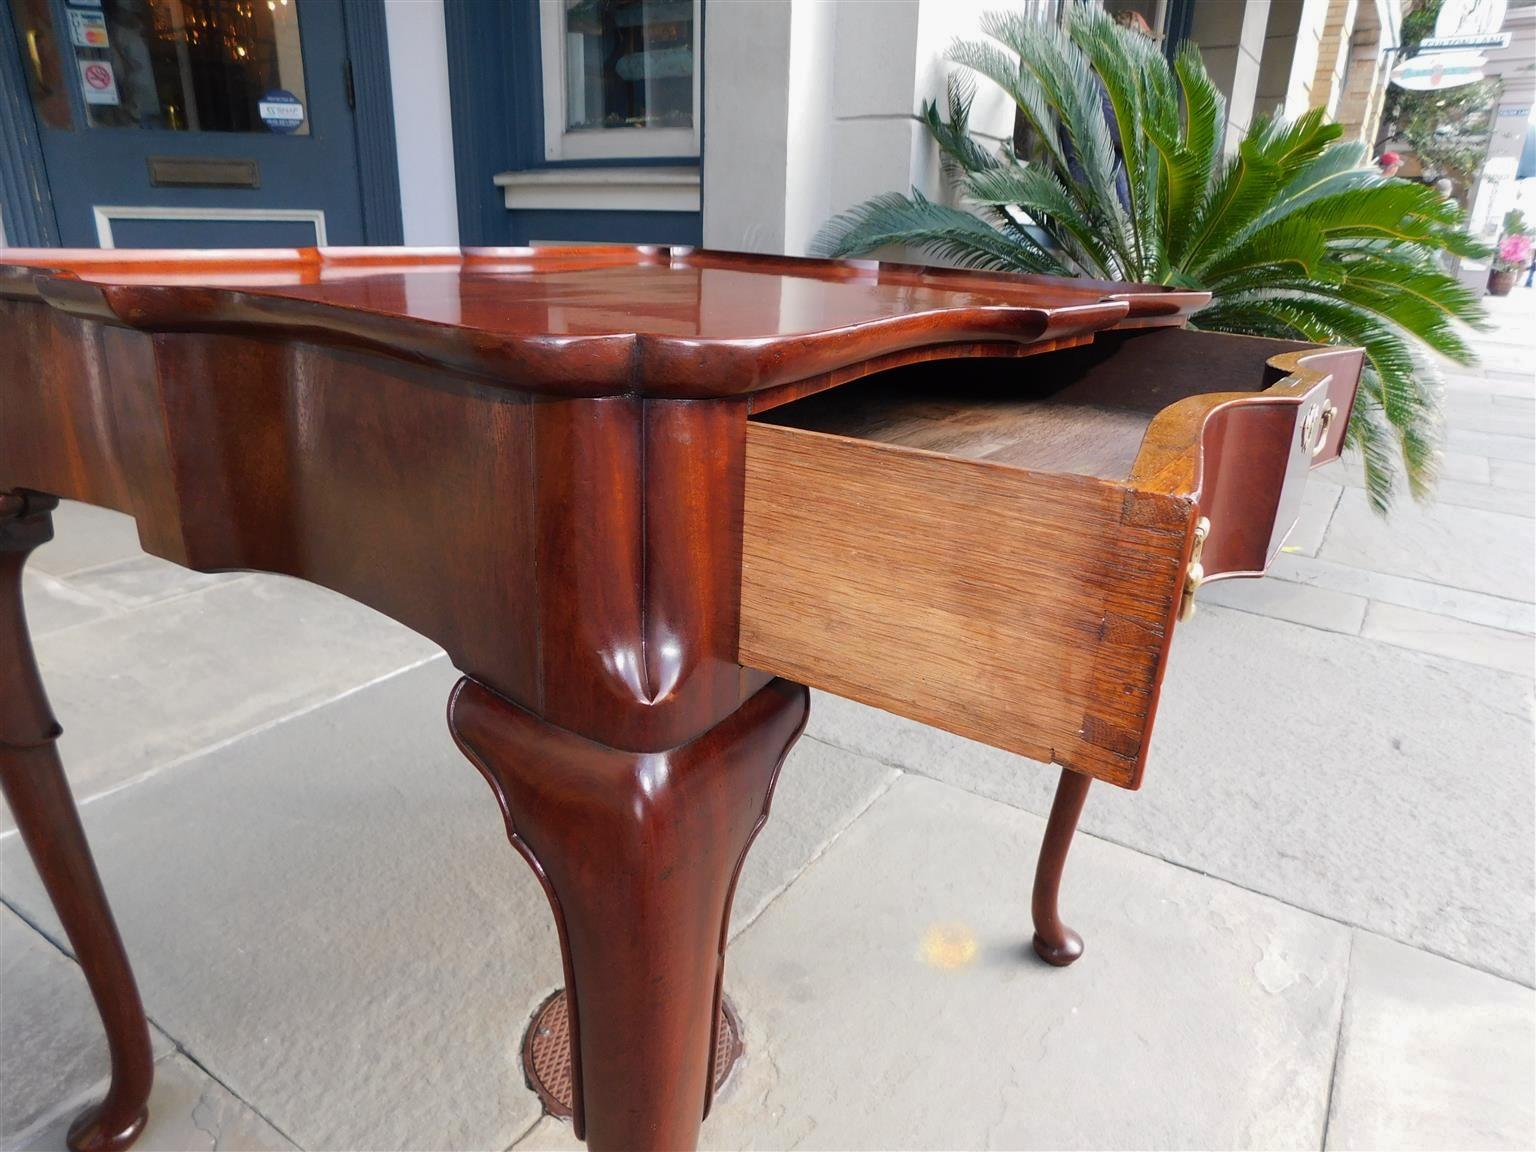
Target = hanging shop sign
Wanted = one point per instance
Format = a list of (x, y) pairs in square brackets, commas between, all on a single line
[(1439, 70), (1462, 43)]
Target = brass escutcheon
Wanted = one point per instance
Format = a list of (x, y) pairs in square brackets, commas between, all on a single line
[(1194, 575)]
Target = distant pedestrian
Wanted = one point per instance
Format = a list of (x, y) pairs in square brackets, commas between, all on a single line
[(1388, 163)]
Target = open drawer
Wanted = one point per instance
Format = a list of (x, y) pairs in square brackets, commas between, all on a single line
[(1000, 547)]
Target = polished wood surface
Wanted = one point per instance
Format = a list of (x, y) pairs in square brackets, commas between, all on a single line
[(639, 855), (655, 321), (32, 780), (864, 573), (627, 488), (1002, 552), (1053, 941)]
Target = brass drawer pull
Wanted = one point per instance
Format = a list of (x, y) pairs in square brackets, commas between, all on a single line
[(1194, 575), (1314, 429)]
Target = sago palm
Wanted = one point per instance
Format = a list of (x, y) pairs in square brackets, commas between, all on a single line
[(1295, 236)]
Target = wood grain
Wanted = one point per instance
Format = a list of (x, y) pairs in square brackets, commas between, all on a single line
[(1025, 610), (612, 320), (639, 855), (547, 462)]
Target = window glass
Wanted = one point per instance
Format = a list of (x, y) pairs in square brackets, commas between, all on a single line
[(38, 47), (629, 64), (173, 65)]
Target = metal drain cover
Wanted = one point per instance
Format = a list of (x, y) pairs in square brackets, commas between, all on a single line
[(547, 1052)]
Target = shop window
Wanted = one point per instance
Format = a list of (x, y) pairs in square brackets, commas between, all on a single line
[(621, 78), (173, 65)]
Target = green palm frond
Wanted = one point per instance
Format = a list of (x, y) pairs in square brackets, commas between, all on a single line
[(1051, 205), (1337, 169), (1295, 235), (959, 152), (942, 231), (1190, 151)]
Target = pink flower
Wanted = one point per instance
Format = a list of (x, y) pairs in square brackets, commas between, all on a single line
[(1515, 250)]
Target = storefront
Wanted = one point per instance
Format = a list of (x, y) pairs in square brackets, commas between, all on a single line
[(196, 123), (237, 123), (741, 125)]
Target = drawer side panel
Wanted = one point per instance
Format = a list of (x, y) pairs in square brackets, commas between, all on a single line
[(1027, 610)]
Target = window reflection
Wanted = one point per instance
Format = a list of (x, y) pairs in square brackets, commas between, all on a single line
[(629, 64), (173, 65)]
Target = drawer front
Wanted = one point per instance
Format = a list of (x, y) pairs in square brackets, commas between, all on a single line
[(1257, 455), (1028, 610)]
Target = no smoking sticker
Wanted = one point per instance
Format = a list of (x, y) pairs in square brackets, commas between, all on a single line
[(98, 82)]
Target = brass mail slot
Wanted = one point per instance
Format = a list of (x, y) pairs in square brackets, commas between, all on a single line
[(203, 172)]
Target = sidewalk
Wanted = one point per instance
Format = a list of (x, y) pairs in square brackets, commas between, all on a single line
[(1311, 928)]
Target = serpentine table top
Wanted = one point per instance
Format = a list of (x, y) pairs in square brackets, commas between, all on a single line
[(642, 497)]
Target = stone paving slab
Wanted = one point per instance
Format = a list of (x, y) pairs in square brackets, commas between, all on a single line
[(144, 579), (1432, 1056), (1483, 412), (1318, 501), (1463, 479), (1494, 445), (327, 916), (138, 690), (1460, 494), (52, 604), (1483, 386), (1284, 600), (890, 1000), (1423, 595), (1466, 466), (84, 537), (53, 1053), (1459, 547), (1334, 773), (1513, 475), (1456, 639), (188, 1112)]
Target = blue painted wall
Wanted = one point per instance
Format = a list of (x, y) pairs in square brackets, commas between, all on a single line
[(495, 78), (615, 227)]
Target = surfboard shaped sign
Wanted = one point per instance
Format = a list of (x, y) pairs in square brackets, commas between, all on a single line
[(1440, 70)]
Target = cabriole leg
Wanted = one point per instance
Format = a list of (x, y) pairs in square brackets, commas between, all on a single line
[(1055, 943), (639, 855), (38, 794)]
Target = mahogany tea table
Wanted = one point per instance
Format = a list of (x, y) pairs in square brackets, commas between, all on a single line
[(643, 497)]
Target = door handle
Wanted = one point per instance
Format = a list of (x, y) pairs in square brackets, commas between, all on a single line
[(36, 57)]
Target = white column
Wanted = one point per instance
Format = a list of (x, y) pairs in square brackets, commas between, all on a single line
[(418, 78), (812, 107), (1230, 34)]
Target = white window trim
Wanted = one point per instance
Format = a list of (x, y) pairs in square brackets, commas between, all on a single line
[(104, 214), (607, 189), (598, 144)]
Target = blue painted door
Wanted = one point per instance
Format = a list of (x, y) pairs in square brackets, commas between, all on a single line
[(194, 123)]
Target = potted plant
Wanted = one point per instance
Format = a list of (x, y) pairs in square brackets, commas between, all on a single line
[(1295, 235), (1513, 254)]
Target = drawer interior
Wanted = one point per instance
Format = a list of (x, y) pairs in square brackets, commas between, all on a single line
[(1082, 411)]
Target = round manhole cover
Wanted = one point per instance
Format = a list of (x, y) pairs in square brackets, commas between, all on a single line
[(547, 1052)]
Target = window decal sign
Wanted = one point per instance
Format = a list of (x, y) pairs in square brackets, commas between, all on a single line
[(87, 29), (97, 81), (281, 111)]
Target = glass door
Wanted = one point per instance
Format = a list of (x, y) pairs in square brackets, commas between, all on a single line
[(193, 123)]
